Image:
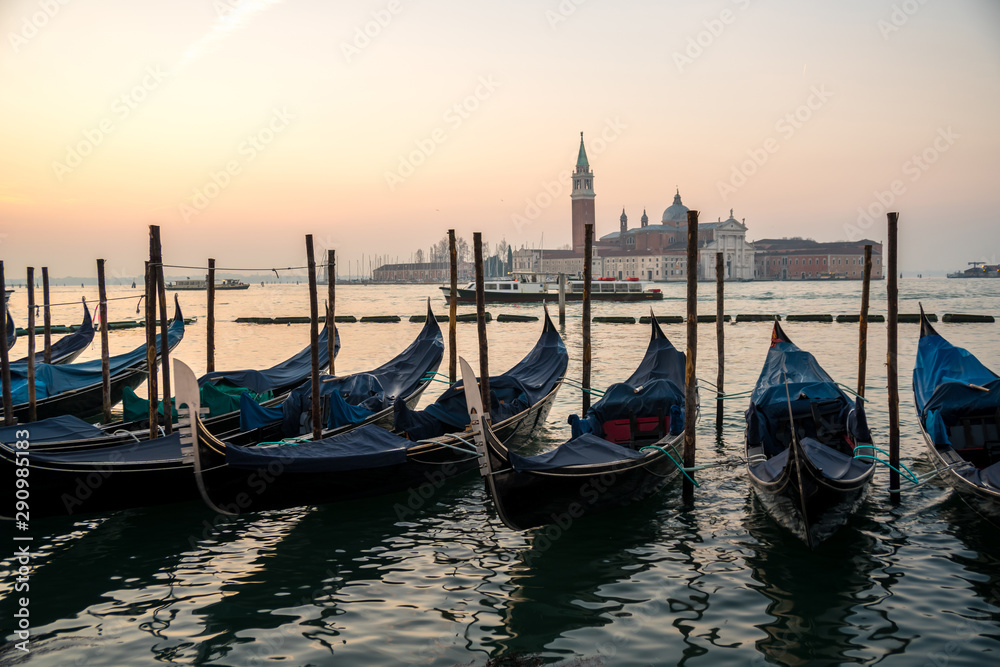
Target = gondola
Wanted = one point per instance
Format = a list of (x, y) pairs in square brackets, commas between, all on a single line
[(808, 448), (69, 347), (367, 460), (958, 405), (348, 401), (624, 450), (75, 389), (151, 472), (226, 393), (225, 401)]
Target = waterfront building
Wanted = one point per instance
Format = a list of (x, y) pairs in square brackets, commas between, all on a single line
[(805, 259)]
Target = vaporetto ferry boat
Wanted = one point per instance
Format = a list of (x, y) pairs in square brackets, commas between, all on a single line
[(521, 290), (202, 285)]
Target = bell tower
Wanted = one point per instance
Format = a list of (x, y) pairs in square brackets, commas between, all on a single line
[(582, 198), (623, 226)]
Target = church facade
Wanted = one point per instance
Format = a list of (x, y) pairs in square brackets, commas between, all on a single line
[(658, 251)]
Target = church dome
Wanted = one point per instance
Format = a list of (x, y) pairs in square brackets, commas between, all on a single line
[(676, 213)]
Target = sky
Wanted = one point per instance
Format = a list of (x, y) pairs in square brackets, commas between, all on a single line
[(239, 126)]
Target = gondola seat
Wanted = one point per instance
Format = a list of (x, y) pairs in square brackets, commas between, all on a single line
[(625, 431)]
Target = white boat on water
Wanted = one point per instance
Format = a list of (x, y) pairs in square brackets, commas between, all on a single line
[(202, 285), (529, 288)]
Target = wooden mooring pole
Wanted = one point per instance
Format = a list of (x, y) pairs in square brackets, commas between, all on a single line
[(151, 383), (866, 283), (32, 391), (588, 276), (8, 405), (453, 309), (690, 398), (102, 305), (210, 317), (317, 417), (484, 361), (161, 292), (331, 308), (720, 336), (891, 368), (562, 299), (46, 315)]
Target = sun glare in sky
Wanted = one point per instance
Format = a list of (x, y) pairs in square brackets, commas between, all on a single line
[(240, 125)]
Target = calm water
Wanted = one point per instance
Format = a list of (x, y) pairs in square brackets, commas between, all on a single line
[(444, 583)]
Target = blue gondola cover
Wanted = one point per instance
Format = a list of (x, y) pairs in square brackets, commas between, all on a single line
[(52, 379), (53, 429), (588, 449), (369, 392), (365, 447), (288, 372)]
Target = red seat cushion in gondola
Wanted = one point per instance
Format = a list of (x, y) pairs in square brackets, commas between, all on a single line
[(619, 431)]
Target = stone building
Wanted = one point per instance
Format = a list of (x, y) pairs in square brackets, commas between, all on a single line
[(806, 259)]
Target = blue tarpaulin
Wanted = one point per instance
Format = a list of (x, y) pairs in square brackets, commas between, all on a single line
[(653, 389), (52, 379), (949, 383), (370, 392), (281, 377), (587, 449), (167, 448), (365, 447), (53, 429), (942, 375), (792, 381), (526, 383)]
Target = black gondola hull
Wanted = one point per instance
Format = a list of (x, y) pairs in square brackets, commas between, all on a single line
[(950, 464), (234, 490), (99, 487), (529, 499), (811, 505)]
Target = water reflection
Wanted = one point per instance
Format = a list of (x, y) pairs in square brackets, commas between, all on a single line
[(822, 603), (981, 559)]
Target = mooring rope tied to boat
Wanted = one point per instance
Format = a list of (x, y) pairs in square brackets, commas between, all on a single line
[(911, 476), (131, 434), (710, 384), (741, 394), (851, 391), (445, 444), (932, 474), (672, 460), (298, 440), (578, 385)]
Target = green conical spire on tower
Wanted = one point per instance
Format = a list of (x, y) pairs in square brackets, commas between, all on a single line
[(581, 160)]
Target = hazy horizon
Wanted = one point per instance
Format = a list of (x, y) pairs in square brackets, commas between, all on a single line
[(241, 125)]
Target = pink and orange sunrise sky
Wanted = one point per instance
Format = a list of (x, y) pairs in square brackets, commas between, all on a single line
[(241, 125)]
